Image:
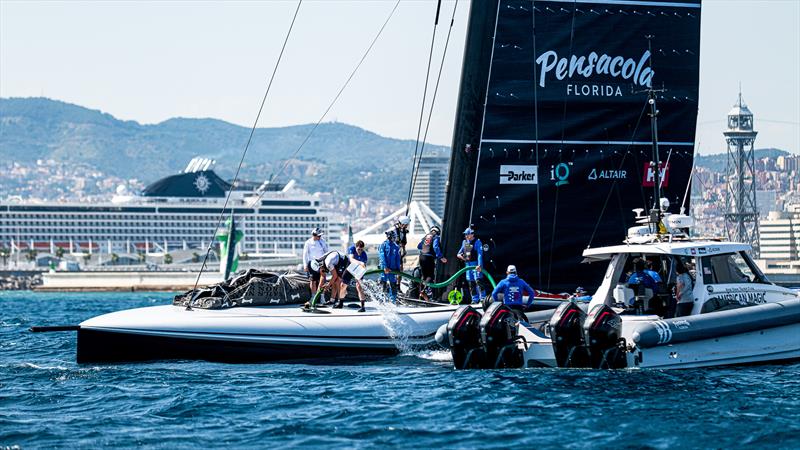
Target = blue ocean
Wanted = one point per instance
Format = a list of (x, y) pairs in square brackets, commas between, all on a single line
[(414, 400)]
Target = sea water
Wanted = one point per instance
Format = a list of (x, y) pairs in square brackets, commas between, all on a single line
[(414, 400)]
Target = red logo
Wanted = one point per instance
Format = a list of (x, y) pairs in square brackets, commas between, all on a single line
[(648, 180)]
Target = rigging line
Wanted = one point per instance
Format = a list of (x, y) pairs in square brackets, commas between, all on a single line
[(689, 184), (433, 102), (333, 102), (536, 146), (563, 131), (483, 117), (247, 146), (414, 162), (614, 183)]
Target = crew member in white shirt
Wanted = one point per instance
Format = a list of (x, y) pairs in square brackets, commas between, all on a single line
[(314, 248)]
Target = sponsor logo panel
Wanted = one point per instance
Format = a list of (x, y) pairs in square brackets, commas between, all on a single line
[(518, 174)]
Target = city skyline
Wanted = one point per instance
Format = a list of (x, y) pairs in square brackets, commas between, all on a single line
[(161, 60)]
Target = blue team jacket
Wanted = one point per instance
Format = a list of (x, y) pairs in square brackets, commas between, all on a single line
[(513, 288), (389, 255)]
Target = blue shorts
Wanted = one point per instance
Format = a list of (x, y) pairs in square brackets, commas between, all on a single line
[(471, 274), (390, 277)]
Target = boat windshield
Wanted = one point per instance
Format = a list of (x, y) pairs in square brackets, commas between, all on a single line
[(731, 268)]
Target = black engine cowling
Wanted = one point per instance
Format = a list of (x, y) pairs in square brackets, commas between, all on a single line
[(602, 333), (499, 336), (566, 332), (464, 334)]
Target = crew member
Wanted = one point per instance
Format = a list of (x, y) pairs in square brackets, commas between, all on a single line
[(650, 270), (639, 276), (684, 287), (336, 264), (471, 252), (314, 248), (511, 289), (356, 253), (401, 229), (389, 260), (429, 251)]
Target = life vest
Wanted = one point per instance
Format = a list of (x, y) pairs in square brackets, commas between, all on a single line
[(341, 264), (401, 235), (427, 245), (470, 254)]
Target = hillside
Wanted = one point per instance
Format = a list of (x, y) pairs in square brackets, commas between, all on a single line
[(340, 156), (716, 162)]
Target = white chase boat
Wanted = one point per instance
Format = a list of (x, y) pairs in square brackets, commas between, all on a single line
[(737, 316), (250, 334)]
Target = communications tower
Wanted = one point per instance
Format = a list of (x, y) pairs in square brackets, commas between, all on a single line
[(741, 214)]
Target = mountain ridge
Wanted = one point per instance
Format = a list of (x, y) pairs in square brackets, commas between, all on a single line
[(43, 128)]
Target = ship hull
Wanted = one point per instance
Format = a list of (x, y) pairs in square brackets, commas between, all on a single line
[(256, 334)]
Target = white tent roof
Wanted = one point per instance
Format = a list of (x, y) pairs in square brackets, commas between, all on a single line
[(422, 219)]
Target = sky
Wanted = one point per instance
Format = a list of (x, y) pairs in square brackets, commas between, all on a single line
[(151, 61)]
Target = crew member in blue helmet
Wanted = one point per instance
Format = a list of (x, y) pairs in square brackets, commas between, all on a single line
[(471, 252), (429, 251), (511, 289), (389, 260)]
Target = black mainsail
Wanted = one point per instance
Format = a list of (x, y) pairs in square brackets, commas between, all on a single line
[(552, 143)]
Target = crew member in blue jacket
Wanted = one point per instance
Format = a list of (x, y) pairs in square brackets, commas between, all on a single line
[(356, 253), (640, 276), (429, 251), (471, 252), (389, 259), (511, 289)]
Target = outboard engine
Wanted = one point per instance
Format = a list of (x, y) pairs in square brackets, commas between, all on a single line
[(566, 332), (499, 335), (464, 336), (603, 329)]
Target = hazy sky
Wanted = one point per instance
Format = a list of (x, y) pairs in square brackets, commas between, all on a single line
[(149, 61)]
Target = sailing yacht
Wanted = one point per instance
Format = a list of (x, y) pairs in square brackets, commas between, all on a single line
[(548, 157)]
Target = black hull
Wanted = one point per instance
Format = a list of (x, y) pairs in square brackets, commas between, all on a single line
[(95, 346)]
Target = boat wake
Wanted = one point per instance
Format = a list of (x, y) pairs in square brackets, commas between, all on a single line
[(398, 325)]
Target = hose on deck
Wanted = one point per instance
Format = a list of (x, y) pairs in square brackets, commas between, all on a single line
[(417, 280)]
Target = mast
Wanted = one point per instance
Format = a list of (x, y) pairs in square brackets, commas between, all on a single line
[(466, 132)]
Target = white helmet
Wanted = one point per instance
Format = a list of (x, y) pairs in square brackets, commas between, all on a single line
[(404, 220), (511, 269)]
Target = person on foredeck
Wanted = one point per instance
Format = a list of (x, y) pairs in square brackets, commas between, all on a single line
[(314, 248), (429, 251), (471, 252), (390, 260), (511, 289), (356, 253), (401, 233), (336, 264)]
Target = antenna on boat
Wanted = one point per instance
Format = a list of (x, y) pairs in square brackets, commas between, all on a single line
[(656, 213)]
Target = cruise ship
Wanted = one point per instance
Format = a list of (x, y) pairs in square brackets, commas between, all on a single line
[(178, 212)]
